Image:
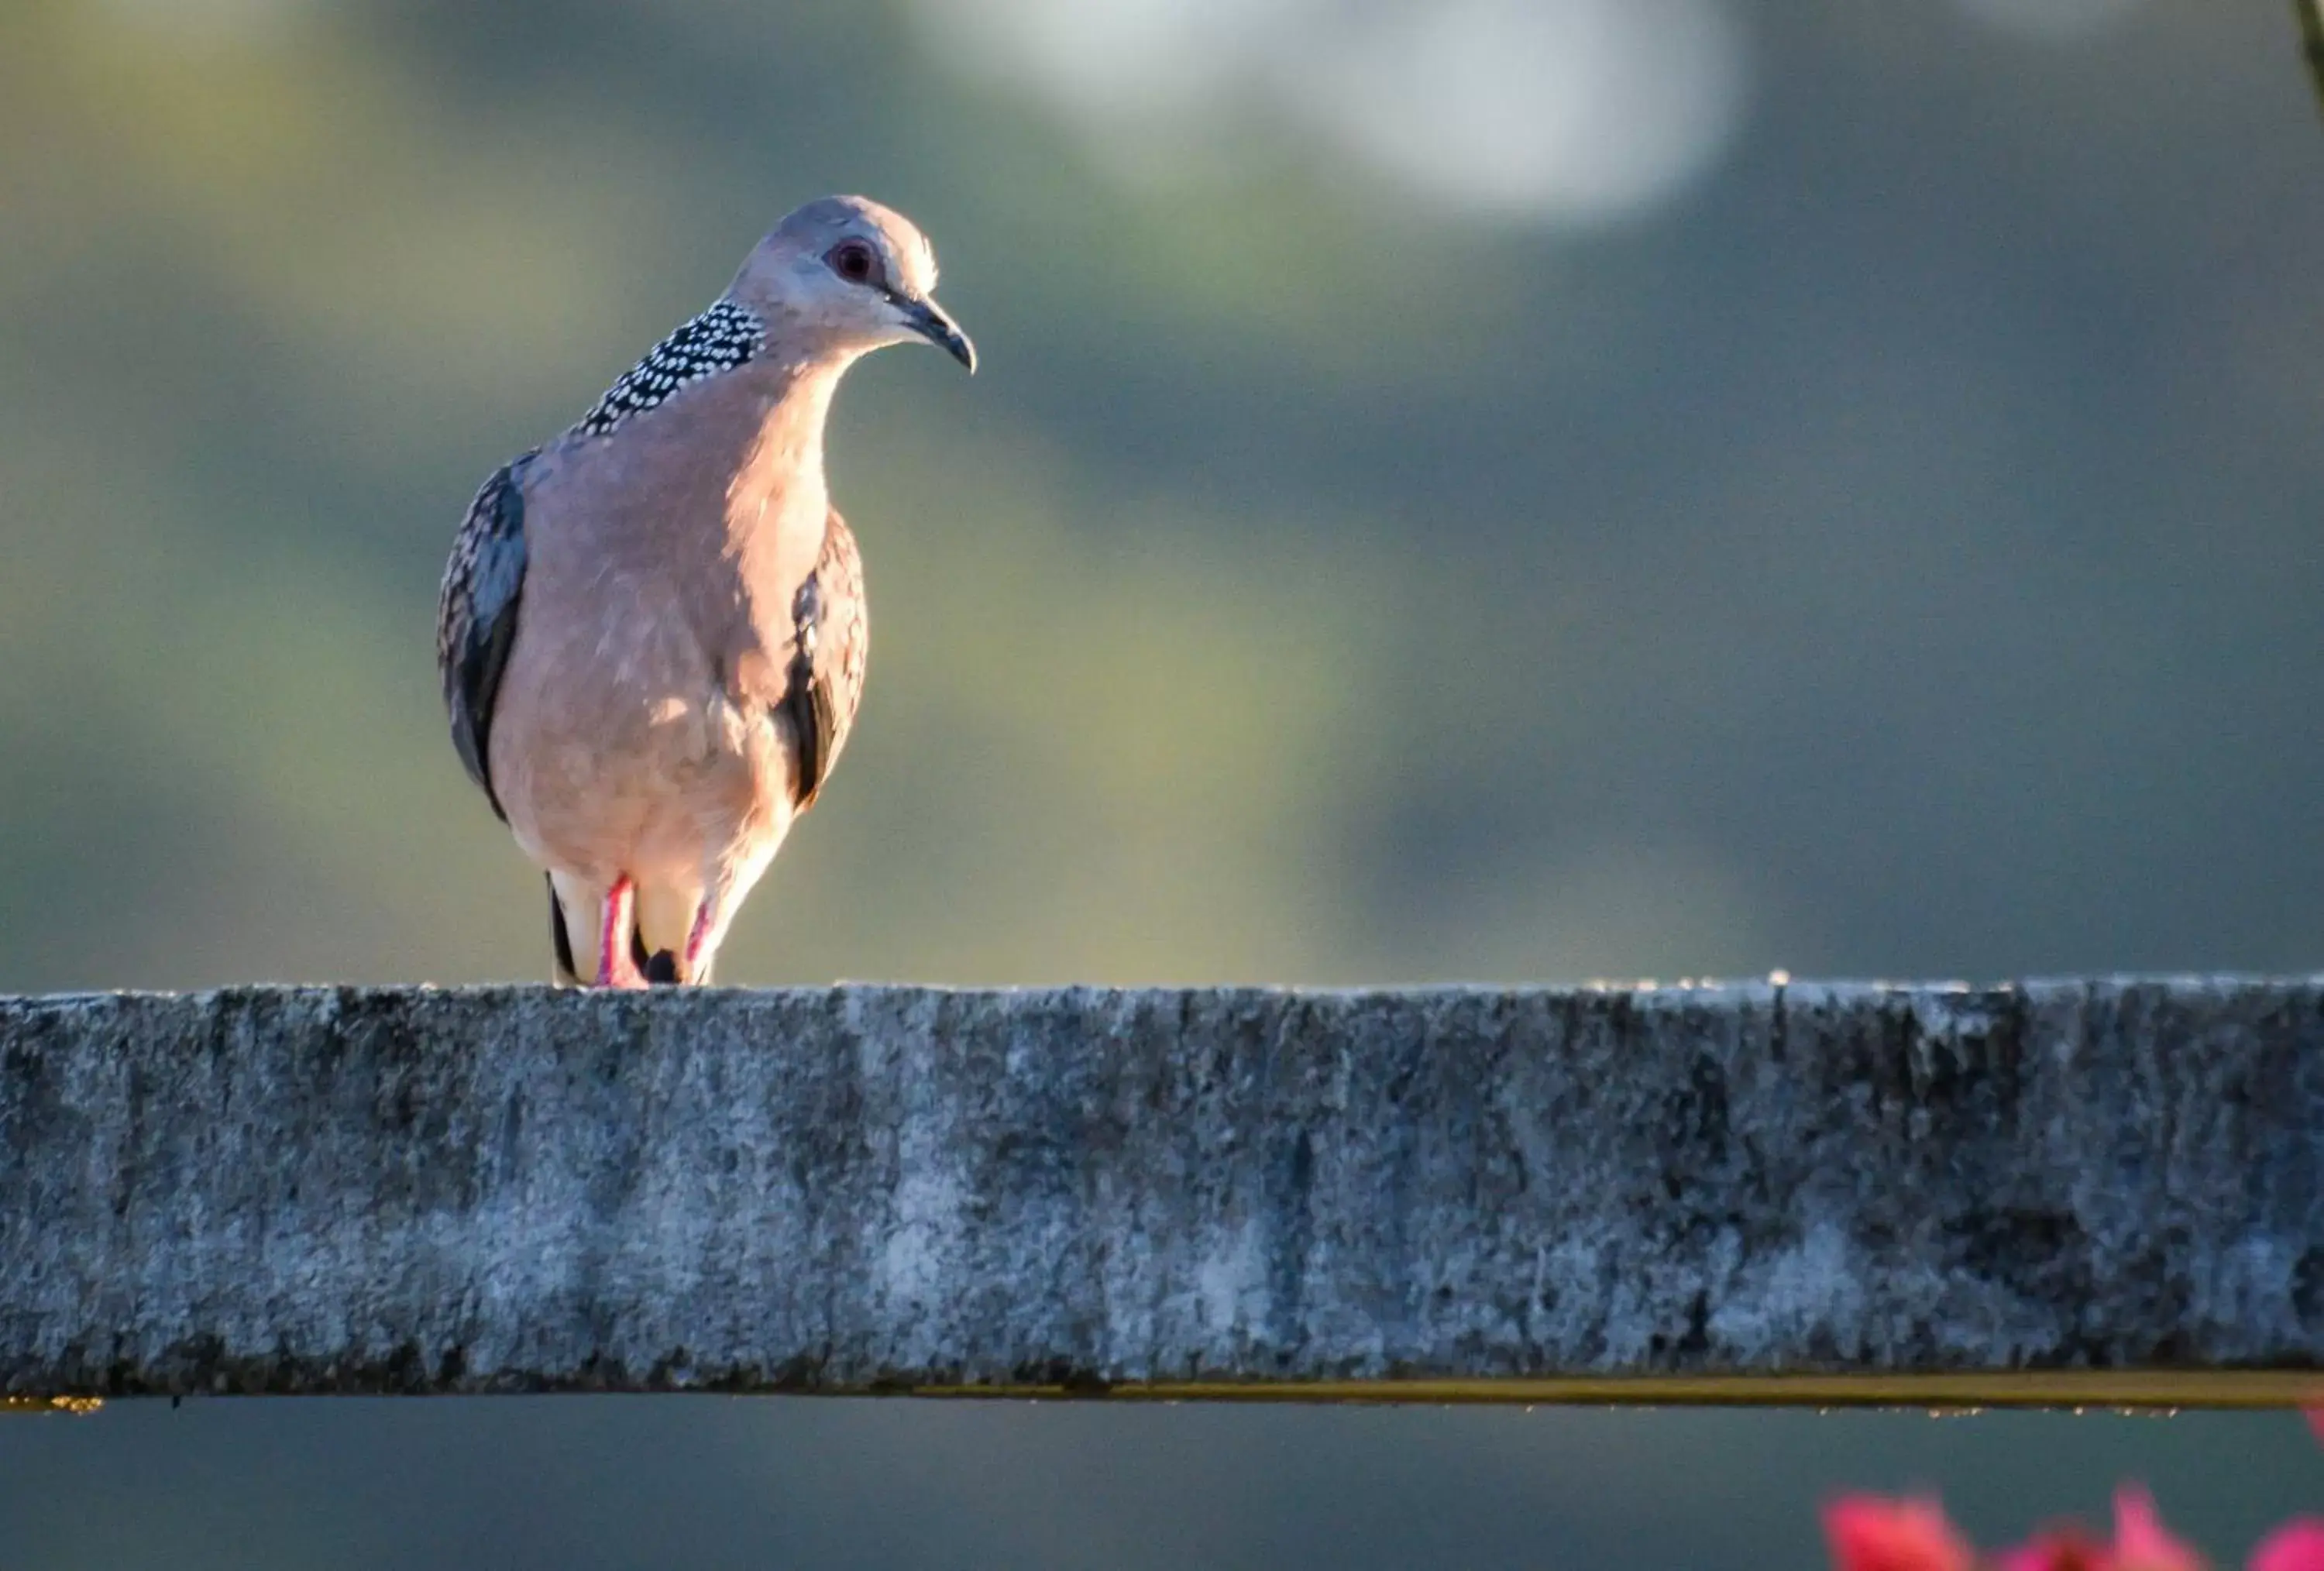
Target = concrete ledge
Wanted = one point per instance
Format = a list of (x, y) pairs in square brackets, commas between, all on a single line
[(865, 1188)]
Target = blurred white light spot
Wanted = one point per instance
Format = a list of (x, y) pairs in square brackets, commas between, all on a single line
[(2048, 18), (1575, 110), (1108, 57), (1584, 108)]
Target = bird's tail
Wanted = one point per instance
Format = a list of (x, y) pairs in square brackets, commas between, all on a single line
[(560, 940)]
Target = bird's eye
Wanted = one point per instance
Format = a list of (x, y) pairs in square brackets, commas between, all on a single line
[(852, 261)]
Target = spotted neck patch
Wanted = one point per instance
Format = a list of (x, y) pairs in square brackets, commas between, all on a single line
[(719, 339)]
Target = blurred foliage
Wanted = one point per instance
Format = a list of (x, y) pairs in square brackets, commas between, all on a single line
[(1893, 556)]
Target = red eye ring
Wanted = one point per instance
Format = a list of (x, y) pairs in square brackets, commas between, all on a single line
[(853, 259)]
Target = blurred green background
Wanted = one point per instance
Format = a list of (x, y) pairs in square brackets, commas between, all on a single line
[(1495, 490)]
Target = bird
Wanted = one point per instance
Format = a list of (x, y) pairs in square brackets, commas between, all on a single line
[(651, 631)]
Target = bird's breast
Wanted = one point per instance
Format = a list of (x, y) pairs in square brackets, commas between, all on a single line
[(635, 742)]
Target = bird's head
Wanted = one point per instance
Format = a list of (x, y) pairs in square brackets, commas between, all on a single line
[(844, 275)]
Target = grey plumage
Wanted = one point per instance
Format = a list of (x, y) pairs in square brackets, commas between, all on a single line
[(652, 633)]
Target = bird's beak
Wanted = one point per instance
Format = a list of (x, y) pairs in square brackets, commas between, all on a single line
[(927, 319)]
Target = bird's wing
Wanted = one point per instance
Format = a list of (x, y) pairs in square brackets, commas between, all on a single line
[(475, 616), (831, 639)]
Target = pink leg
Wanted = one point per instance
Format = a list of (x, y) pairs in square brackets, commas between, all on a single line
[(721, 896), (711, 919), (695, 939), (615, 968)]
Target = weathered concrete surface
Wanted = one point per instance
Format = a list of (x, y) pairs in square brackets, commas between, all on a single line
[(513, 1189)]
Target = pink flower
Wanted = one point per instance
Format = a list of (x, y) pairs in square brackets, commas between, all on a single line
[(2315, 1417), (2140, 1541), (2060, 1549), (1869, 1533), (2297, 1545)]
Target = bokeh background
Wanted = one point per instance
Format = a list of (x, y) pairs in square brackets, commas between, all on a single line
[(1488, 489)]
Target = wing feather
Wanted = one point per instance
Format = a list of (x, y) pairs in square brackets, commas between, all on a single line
[(830, 642), (475, 616)]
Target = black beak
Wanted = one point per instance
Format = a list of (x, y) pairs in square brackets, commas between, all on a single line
[(929, 319)]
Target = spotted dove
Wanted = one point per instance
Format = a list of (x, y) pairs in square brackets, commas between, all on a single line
[(651, 631)]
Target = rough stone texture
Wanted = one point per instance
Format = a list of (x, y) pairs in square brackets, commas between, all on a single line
[(314, 1190)]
